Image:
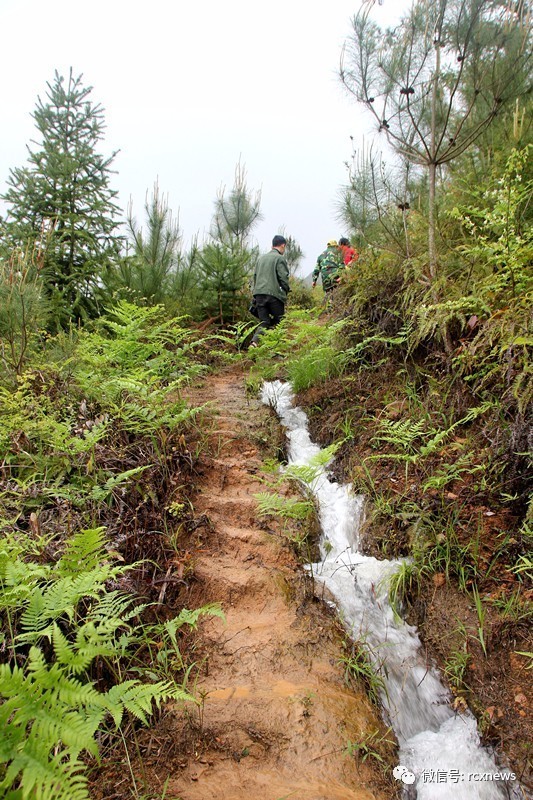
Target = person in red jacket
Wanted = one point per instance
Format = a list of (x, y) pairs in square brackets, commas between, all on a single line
[(349, 253)]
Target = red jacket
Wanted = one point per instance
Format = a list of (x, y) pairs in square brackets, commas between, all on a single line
[(349, 254)]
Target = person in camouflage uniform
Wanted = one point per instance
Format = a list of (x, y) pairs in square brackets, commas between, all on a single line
[(329, 264)]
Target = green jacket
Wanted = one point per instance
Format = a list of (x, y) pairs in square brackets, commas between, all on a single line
[(271, 275), (328, 265)]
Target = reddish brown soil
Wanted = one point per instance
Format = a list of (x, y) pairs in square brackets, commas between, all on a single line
[(276, 714)]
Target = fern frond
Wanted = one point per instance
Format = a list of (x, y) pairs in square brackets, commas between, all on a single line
[(18, 581), (139, 698), (36, 702), (60, 600), (168, 631), (54, 601), (309, 473), (102, 492), (191, 617), (401, 433), (286, 507), (111, 607), (42, 777), (77, 658), (472, 414), (84, 551)]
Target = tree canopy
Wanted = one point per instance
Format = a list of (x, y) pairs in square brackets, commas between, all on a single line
[(62, 202), (435, 82)]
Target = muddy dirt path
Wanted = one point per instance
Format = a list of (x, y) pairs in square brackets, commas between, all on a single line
[(276, 715)]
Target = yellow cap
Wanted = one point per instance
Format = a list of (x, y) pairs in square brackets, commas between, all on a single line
[(332, 243)]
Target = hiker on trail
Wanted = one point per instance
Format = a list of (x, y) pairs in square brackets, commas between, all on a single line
[(349, 253), (329, 265), (270, 287)]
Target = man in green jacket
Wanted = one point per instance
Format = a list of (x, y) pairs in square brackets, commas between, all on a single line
[(270, 286)]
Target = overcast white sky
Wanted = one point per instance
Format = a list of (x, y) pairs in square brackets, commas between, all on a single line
[(189, 88)]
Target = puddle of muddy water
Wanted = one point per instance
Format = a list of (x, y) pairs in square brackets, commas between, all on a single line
[(441, 757)]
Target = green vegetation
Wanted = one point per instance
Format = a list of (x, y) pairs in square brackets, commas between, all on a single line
[(62, 206), (64, 627), (404, 584), (93, 436), (289, 499), (418, 369), (433, 86), (423, 366), (358, 667), (369, 745), (457, 663)]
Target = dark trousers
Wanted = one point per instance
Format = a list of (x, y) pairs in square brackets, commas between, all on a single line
[(269, 310)]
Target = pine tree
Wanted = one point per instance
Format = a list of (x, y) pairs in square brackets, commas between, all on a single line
[(225, 265), (436, 82), (223, 271), (293, 252), (150, 271), (62, 200), (236, 214), (375, 203)]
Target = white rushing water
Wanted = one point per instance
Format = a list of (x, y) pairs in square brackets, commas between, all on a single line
[(441, 757)]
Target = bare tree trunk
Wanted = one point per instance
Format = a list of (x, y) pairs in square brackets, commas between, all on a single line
[(432, 251), (406, 233), (432, 222), (433, 170)]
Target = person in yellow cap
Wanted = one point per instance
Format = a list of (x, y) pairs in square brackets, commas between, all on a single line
[(329, 265)]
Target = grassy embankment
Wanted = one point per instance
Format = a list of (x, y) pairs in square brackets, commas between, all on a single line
[(427, 390), (98, 452)]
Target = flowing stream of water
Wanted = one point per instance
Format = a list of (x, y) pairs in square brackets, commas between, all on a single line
[(440, 757)]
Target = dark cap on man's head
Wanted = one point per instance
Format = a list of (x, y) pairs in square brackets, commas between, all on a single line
[(277, 240)]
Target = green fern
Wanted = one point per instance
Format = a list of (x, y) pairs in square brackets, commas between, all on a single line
[(59, 599), (84, 551), (407, 435), (49, 719), (90, 644), (360, 348), (434, 318), (41, 776), (400, 433), (308, 473), (448, 473), (101, 493), (50, 710), (139, 698), (18, 579), (191, 617), (286, 507), (436, 441)]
